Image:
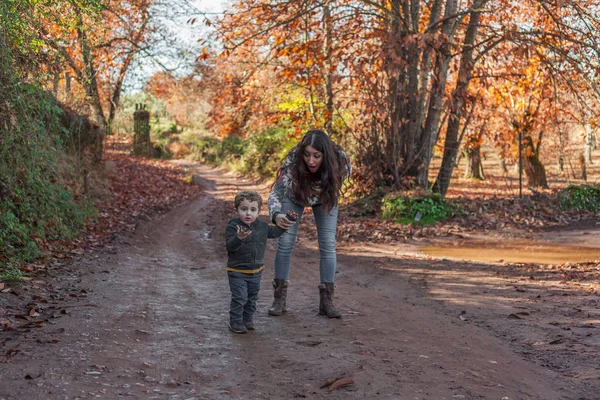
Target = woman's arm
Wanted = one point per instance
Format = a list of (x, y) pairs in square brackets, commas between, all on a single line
[(281, 186), (346, 164)]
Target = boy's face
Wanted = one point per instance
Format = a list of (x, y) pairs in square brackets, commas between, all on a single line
[(248, 211)]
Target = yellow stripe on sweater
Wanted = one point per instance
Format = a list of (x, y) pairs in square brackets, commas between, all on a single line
[(245, 271)]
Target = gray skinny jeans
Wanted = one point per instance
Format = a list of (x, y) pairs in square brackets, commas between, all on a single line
[(244, 293), (326, 230)]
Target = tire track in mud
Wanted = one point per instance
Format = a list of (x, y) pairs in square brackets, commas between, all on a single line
[(159, 329)]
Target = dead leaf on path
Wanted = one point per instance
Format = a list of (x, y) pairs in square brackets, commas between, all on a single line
[(340, 383), (7, 325), (1, 285), (328, 382), (12, 352), (39, 298), (309, 343)]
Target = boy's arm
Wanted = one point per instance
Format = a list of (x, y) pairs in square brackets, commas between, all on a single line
[(232, 241), (275, 231)]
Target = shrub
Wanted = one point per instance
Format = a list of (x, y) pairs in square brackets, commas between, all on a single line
[(232, 147), (265, 151), (259, 155), (424, 208), (205, 149), (580, 198), (37, 200)]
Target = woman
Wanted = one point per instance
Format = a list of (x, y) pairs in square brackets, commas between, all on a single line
[(312, 175)]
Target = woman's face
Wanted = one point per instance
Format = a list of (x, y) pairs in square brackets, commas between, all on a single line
[(312, 158)]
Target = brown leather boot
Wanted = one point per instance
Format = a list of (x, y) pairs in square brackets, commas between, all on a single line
[(280, 295), (326, 306)]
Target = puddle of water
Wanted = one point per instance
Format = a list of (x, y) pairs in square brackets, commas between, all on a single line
[(538, 254)]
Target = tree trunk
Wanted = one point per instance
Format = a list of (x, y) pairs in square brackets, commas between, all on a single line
[(533, 167), (438, 90), (116, 94), (89, 81), (589, 144), (474, 166), (67, 87), (583, 165), (503, 167), (396, 76), (452, 143), (561, 163), (410, 129), (424, 148), (328, 69)]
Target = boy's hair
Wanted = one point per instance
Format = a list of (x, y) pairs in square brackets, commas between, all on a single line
[(249, 195)]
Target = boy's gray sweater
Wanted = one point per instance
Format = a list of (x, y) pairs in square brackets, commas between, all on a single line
[(249, 254)]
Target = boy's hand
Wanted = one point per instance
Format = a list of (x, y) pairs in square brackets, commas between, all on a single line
[(243, 233), (292, 215)]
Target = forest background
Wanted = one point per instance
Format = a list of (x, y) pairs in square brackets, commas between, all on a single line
[(438, 103)]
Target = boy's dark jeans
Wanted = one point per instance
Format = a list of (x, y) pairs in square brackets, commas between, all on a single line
[(244, 293)]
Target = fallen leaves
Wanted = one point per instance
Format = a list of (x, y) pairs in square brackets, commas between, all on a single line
[(528, 214), (340, 383), (337, 383), (135, 188)]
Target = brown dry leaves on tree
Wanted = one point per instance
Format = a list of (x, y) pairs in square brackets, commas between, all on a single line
[(401, 77)]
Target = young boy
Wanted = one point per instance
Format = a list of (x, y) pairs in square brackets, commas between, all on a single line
[(246, 240)]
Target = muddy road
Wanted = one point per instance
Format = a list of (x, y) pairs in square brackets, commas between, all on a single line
[(146, 318)]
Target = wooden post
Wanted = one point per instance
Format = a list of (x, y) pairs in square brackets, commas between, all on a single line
[(55, 83), (67, 87), (142, 146), (520, 164)]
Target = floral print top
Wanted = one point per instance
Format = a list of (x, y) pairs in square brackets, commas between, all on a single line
[(283, 185)]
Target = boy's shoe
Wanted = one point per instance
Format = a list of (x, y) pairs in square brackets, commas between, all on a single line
[(249, 325), (237, 327)]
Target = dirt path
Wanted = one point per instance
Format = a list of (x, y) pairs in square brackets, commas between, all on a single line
[(146, 319)]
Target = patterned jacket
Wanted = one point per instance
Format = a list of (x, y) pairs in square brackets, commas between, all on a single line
[(283, 185)]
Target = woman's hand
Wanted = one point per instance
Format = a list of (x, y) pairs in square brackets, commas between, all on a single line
[(243, 233), (282, 222)]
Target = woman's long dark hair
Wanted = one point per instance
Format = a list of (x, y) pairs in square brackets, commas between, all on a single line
[(331, 173)]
